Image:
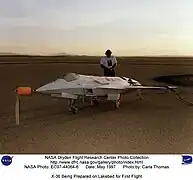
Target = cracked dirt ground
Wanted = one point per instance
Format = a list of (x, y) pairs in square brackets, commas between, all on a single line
[(157, 124)]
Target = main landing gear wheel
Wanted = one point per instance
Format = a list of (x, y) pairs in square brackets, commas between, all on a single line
[(96, 102), (117, 104)]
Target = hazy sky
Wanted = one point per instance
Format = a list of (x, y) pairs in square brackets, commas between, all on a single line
[(128, 27)]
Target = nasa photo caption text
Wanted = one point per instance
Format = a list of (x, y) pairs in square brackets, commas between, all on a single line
[(96, 166)]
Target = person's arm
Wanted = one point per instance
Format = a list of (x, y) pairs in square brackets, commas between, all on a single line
[(115, 63), (114, 66), (102, 64)]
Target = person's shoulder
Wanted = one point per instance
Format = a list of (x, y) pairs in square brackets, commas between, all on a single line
[(114, 59), (102, 59)]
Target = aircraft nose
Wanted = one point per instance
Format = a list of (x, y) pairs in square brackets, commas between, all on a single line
[(44, 88), (55, 85), (48, 87), (41, 89)]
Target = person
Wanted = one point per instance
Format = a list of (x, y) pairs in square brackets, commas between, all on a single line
[(108, 64)]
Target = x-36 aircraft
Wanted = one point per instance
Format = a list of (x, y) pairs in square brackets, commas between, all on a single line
[(76, 87)]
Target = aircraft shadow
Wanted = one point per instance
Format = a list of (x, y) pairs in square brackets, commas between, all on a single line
[(185, 80)]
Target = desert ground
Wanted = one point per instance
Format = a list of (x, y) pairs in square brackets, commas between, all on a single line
[(157, 124)]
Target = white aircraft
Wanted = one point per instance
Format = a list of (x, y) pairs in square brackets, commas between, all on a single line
[(74, 86)]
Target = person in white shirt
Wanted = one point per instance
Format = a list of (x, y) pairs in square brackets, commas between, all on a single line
[(108, 63)]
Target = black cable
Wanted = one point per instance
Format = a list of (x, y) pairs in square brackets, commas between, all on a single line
[(180, 97)]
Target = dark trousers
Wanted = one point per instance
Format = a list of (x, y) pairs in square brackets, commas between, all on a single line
[(109, 73)]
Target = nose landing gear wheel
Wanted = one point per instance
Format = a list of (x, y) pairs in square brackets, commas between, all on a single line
[(71, 106), (74, 110)]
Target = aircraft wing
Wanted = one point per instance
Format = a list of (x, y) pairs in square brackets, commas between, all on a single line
[(136, 87), (153, 87)]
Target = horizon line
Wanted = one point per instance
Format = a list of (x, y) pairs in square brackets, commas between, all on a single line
[(77, 55)]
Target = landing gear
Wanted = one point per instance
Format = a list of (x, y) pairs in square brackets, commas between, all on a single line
[(139, 94), (95, 101), (74, 110), (71, 106), (117, 104)]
